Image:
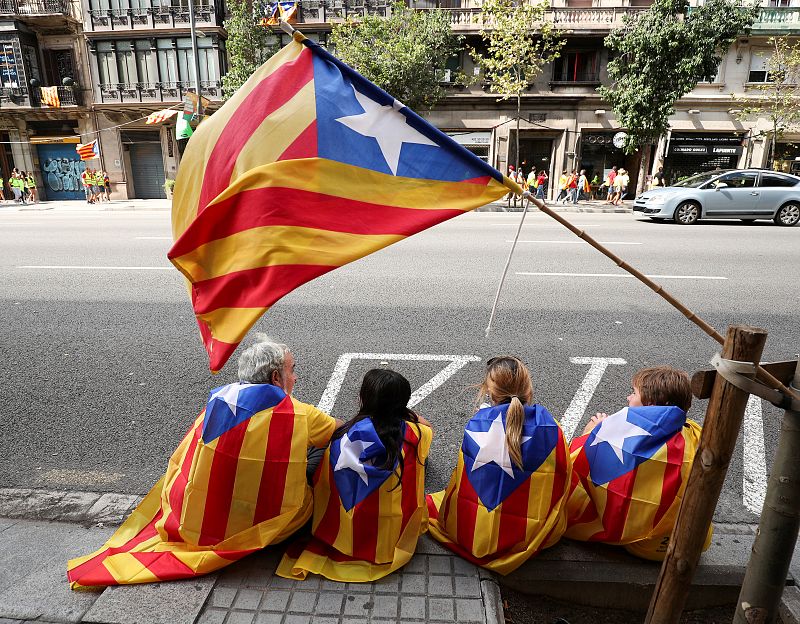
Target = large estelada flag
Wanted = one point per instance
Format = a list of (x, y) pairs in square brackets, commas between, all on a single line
[(365, 524), (307, 167), (494, 513), (629, 474), (87, 151), (234, 485)]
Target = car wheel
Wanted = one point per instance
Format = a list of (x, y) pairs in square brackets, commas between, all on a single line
[(687, 213), (788, 214)]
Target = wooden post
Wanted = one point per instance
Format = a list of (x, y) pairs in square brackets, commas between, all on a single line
[(772, 553), (718, 440)]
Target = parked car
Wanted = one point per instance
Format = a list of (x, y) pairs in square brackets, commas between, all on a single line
[(745, 194)]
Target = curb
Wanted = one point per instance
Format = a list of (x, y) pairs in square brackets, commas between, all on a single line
[(587, 208), (87, 508)]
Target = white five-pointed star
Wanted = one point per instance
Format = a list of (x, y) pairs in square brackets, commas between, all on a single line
[(492, 446), (349, 454), (230, 394), (386, 125), (615, 430)]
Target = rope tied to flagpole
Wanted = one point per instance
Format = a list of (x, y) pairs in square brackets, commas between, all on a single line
[(766, 377)]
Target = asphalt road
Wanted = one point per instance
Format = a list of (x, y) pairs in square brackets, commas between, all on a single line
[(103, 369)]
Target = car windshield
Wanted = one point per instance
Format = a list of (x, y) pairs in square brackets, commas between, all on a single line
[(697, 181)]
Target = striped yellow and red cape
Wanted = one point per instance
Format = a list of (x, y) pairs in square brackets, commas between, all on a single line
[(234, 485), (638, 507), (495, 514), (379, 533), (307, 167)]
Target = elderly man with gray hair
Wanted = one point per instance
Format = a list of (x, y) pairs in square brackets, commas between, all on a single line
[(235, 484)]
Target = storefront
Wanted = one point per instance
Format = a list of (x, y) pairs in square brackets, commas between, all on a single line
[(690, 153), (787, 157), (476, 142), (60, 168), (599, 154)]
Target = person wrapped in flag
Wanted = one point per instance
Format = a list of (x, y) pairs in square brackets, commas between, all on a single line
[(630, 468), (235, 484), (369, 490), (506, 499)]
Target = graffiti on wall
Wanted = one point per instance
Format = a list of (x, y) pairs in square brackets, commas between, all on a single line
[(62, 174)]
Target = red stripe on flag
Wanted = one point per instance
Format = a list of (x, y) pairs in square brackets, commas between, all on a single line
[(513, 517), (301, 208), (328, 527), (578, 443), (365, 526), (164, 565), (220, 485), (271, 491), (433, 513), (672, 475), (266, 97), (304, 146), (252, 288), (618, 502), (467, 511), (178, 489), (90, 570), (408, 500)]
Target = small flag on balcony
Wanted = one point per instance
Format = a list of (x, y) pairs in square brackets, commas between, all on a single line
[(87, 151), (50, 97), (162, 115), (182, 128), (282, 11)]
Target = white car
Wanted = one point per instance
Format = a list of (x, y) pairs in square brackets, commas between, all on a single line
[(745, 194)]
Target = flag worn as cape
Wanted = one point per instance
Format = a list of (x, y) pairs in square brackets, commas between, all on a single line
[(307, 167), (162, 115), (283, 10), (493, 513), (234, 485), (365, 526), (87, 151), (629, 474)]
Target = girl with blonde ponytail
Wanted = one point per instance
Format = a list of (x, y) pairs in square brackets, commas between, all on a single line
[(506, 498)]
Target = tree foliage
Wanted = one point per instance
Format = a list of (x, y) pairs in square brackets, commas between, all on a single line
[(404, 53), (518, 44), (249, 44), (778, 99), (661, 54)]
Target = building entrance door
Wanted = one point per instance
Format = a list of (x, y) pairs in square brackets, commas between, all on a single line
[(147, 164), (534, 153)]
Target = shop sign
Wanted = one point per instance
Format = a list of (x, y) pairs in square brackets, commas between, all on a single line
[(727, 150), (8, 66), (689, 149), (470, 138)]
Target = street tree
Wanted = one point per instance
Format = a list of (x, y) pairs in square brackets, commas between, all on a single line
[(249, 43), (778, 99), (404, 53), (518, 44), (659, 55)]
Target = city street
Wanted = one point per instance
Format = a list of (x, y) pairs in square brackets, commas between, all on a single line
[(104, 370)]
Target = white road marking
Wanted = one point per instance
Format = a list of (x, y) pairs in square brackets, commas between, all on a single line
[(574, 242), (457, 362), (627, 275), (97, 268), (754, 485), (576, 409), (153, 238)]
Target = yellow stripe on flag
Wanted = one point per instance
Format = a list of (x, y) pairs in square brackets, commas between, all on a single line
[(231, 324)]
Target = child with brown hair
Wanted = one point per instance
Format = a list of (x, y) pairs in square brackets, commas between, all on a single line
[(630, 468), (506, 498)]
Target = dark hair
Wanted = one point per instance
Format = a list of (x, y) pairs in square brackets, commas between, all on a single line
[(664, 385), (384, 397)]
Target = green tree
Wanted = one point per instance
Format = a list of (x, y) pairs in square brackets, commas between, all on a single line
[(661, 54), (518, 43), (249, 44), (404, 53), (778, 99)]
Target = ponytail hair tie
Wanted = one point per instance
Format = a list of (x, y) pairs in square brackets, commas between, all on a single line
[(514, 396)]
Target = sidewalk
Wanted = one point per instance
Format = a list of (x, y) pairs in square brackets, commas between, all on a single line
[(590, 206), (41, 530)]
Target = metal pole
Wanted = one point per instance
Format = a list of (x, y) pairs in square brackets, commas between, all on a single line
[(196, 57)]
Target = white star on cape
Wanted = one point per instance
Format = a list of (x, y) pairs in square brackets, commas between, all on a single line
[(493, 446), (230, 394), (615, 430), (386, 125), (349, 454)]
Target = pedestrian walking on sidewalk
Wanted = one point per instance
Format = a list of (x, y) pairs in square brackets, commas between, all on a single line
[(107, 185), (369, 490), (31, 183), (562, 186), (621, 184), (582, 186), (541, 184), (18, 187), (572, 187), (506, 499), (612, 176)]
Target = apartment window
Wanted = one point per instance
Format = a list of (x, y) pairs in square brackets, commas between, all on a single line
[(167, 60), (146, 62), (126, 62), (784, 3), (576, 66), (717, 79), (99, 5), (759, 60)]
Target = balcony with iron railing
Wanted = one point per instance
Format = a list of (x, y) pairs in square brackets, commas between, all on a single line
[(155, 17), (777, 21), (35, 8), (24, 97), (115, 93)]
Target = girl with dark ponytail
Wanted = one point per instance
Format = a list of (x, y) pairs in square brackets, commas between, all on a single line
[(369, 490), (506, 498)]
